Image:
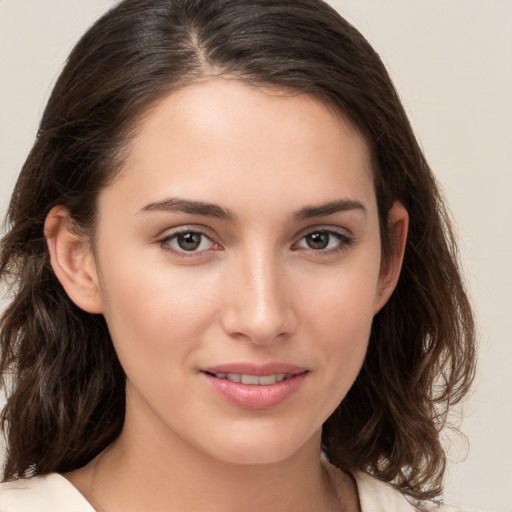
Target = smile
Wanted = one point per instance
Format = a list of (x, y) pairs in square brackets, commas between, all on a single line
[(254, 380), (250, 386)]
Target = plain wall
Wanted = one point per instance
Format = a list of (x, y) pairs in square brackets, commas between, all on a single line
[(451, 61)]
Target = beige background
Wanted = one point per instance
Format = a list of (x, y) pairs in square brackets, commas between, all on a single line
[(452, 63)]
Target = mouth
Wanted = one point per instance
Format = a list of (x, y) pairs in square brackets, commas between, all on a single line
[(251, 386), (253, 380)]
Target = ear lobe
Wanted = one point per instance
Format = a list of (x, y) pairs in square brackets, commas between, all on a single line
[(72, 260), (398, 224)]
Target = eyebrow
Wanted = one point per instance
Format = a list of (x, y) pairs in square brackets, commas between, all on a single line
[(180, 205), (330, 208), (176, 204)]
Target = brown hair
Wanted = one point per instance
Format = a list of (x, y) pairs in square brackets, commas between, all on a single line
[(67, 398)]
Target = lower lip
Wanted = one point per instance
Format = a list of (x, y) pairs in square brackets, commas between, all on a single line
[(254, 396)]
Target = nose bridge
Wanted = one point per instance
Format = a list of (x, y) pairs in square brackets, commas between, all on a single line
[(258, 307)]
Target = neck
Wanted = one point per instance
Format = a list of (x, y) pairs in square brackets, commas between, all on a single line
[(145, 479), (149, 469)]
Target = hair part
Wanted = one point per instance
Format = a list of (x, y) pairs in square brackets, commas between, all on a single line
[(67, 389)]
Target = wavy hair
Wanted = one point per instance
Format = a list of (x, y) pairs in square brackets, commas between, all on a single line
[(65, 385)]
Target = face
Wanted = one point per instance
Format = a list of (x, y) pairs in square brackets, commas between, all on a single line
[(239, 268)]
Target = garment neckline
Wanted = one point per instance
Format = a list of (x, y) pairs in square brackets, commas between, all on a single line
[(370, 491), (62, 481)]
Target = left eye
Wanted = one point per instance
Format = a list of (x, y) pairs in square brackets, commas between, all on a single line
[(322, 240), (188, 241)]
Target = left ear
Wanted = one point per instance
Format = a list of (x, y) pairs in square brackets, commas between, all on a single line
[(398, 224)]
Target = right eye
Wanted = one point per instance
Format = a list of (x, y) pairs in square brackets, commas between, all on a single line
[(191, 242)]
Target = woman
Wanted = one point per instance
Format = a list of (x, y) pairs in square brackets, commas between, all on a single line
[(228, 256)]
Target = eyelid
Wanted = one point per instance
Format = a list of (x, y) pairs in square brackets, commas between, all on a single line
[(174, 232), (346, 238)]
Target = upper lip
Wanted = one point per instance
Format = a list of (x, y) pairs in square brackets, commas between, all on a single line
[(255, 369)]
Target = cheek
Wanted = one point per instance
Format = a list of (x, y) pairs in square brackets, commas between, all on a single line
[(154, 314), (342, 300), (345, 325), (340, 320)]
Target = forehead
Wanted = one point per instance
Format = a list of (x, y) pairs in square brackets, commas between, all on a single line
[(222, 140)]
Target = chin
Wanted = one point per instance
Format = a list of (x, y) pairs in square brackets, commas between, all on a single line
[(262, 446)]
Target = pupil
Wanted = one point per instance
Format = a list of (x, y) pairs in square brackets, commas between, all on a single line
[(189, 241), (318, 240)]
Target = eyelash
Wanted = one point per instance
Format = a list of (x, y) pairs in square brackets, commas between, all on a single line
[(182, 253), (343, 241)]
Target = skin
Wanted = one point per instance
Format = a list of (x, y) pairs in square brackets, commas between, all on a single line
[(257, 289)]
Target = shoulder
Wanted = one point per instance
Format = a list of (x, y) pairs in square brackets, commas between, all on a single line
[(377, 496), (429, 506), (49, 493)]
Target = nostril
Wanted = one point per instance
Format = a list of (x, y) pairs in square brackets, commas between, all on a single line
[(257, 307)]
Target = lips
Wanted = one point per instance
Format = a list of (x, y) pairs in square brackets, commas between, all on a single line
[(255, 386), (254, 380)]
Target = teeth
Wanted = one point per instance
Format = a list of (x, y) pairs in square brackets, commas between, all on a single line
[(250, 379), (267, 380), (253, 380)]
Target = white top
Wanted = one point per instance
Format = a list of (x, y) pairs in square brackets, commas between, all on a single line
[(50, 493), (54, 493)]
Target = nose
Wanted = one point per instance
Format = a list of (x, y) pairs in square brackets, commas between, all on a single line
[(257, 303)]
